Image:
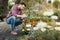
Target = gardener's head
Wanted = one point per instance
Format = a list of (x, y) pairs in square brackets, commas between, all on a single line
[(22, 5)]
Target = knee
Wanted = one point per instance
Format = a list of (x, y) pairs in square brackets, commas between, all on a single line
[(13, 17)]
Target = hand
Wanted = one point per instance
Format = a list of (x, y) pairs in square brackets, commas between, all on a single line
[(23, 16)]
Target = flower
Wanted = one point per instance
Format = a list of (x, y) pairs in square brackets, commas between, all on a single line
[(41, 24), (48, 13), (54, 17), (23, 30), (58, 23), (11, 2), (35, 28), (28, 29), (43, 29), (57, 28), (28, 25), (49, 26)]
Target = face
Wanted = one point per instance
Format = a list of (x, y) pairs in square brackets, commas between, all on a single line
[(21, 6)]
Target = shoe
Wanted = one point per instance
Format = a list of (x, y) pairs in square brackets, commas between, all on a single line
[(14, 33), (15, 30)]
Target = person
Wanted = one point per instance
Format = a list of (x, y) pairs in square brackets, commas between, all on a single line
[(15, 17)]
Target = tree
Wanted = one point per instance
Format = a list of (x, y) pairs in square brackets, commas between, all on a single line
[(3, 8), (4, 4)]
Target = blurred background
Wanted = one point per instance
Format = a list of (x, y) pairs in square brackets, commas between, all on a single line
[(34, 7), (42, 23)]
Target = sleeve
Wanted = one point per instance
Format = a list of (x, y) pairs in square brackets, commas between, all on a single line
[(14, 11), (20, 12)]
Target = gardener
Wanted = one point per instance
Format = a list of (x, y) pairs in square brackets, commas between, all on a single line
[(15, 17)]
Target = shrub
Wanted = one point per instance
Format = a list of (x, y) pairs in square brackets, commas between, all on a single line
[(2, 16), (46, 35)]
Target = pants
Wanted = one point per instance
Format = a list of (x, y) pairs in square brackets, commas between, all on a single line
[(14, 22)]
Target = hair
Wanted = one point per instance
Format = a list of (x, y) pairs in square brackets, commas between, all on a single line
[(23, 4)]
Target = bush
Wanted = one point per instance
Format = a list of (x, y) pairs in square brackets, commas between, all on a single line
[(1, 9), (57, 13), (2, 16), (10, 6), (46, 35)]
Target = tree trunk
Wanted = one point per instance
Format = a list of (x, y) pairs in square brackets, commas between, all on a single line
[(4, 4), (3, 9)]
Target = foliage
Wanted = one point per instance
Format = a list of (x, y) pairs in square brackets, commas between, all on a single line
[(10, 6), (1, 8), (56, 4), (57, 13), (46, 35)]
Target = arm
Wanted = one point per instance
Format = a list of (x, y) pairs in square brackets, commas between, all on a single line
[(15, 11), (22, 16)]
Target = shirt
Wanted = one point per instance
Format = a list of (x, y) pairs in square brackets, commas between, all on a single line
[(14, 11)]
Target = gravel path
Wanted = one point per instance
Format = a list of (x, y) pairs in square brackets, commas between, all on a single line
[(5, 32)]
